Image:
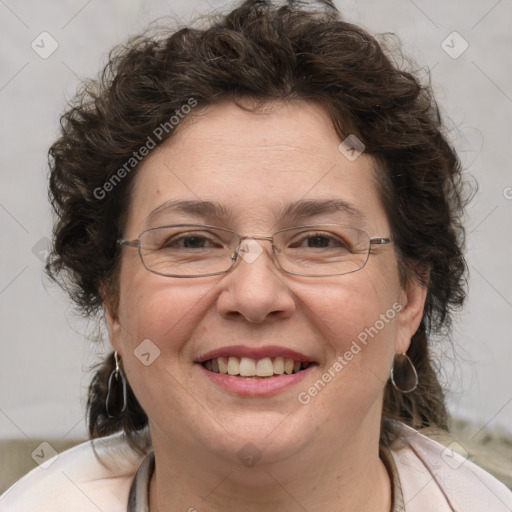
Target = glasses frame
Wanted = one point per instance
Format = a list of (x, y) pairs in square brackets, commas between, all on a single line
[(241, 238)]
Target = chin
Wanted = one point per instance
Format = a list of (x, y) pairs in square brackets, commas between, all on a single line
[(258, 439)]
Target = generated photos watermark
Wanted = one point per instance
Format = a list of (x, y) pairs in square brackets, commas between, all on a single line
[(45, 455), (147, 352), (304, 397), (352, 147), (159, 133)]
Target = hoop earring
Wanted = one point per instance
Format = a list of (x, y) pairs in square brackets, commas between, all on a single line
[(114, 404), (404, 376)]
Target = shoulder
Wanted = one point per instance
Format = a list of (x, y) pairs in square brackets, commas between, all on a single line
[(432, 474), (95, 475)]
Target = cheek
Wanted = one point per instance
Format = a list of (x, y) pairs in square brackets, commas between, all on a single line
[(158, 317), (358, 322), (342, 311), (357, 318), (165, 311)]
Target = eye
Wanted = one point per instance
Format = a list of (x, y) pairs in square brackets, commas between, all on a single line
[(318, 240), (191, 241)]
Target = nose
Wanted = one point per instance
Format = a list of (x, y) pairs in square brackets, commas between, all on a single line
[(256, 288)]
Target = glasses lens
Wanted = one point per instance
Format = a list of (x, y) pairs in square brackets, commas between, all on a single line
[(187, 250), (322, 250)]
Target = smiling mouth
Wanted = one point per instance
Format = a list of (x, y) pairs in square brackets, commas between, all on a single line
[(262, 368)]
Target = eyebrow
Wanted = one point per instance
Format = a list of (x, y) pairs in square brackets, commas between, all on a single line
[(196, 208), (310, 208), (294, 211)]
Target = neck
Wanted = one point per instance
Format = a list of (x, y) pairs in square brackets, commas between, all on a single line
[(334, 476)]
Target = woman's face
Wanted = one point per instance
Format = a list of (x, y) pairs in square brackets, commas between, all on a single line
[(253, 167)]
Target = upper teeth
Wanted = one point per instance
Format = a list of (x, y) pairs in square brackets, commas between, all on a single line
[(248, 367)]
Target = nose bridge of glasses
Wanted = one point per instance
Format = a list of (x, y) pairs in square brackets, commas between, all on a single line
[(253, 237), (249, 249)]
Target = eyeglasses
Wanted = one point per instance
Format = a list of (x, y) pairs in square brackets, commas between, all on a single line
[(194, 250)]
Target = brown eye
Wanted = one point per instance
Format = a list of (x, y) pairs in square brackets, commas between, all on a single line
[(189, 242), (318, 241)]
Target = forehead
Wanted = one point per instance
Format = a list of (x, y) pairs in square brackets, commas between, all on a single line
[(254, 166)]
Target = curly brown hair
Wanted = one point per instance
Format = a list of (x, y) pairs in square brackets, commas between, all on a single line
[(265, 53)]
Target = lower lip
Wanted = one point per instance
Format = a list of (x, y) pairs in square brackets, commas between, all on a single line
[(254, 386)]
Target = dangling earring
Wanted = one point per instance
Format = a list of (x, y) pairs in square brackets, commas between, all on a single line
[(114, 404), (404, 376)]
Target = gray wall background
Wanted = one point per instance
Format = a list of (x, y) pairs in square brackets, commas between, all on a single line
[(45, 359)]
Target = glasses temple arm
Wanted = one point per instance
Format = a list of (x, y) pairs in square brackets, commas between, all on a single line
[(128, 243), (380, 240)]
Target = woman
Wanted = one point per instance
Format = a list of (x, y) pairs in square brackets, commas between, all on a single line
[(268, 215)]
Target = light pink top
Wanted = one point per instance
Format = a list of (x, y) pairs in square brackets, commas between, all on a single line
[(431, 478)]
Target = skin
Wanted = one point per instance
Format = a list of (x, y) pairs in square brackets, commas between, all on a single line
[(320, 456)]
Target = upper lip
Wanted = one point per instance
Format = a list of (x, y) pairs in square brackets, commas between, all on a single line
[(255, 353)]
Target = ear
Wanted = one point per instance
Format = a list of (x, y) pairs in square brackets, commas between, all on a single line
[(110, 309), (412, 300)]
